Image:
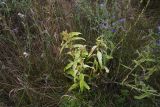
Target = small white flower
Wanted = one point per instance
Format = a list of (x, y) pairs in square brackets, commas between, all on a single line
[(21, 15), (26, 54)]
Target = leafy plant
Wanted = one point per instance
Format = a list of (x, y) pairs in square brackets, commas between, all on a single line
[(143, 68), (84, 64)]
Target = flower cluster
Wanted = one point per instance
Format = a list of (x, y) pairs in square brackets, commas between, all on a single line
[(114, 26)]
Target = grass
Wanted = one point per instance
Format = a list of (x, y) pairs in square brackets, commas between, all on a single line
[(37, 75), (31, 66)]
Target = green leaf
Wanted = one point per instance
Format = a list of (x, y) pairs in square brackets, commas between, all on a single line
[(92, 50), (96, 64), (108, 57), (99, 56), (144, 95), (76, 38), (75, 64), (71, 72), (74, 33), (83, 85), (74, 86), (86, 85), (77, 54), (68, 66), (86, 66), (78, 46), (84, 53), (81, 77), (150, 60), (126, 67)]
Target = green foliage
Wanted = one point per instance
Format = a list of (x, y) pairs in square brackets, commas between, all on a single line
[(116, 59), (84, 65)]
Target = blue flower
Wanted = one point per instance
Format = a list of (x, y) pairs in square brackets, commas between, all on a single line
[(113, 30)]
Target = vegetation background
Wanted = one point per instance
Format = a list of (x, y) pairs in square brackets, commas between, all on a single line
[(79, 53)]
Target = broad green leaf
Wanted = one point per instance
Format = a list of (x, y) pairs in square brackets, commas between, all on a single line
[(92, 50), (71, 72), (74, 86), (86, 85), (81, 85), (68, 66), (99, 56), (81, 77)]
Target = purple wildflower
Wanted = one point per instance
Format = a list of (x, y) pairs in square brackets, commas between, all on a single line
[(113, 30)]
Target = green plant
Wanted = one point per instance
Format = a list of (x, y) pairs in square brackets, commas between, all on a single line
[(84, 65)]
